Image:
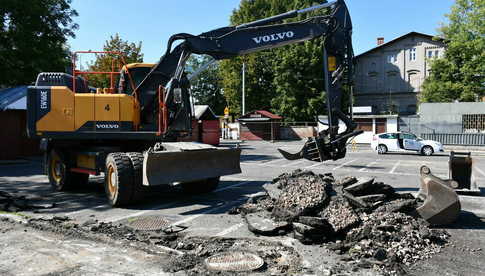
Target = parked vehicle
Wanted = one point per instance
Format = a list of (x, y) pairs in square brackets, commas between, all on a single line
[(401, 142)]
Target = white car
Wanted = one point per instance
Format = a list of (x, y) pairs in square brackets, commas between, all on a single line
[(401, 142)]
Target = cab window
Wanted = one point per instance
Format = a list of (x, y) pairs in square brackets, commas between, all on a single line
[(384, 136), (137, 74)]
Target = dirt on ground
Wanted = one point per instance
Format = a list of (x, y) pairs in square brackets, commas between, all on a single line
[(366, 221), (186, 255)]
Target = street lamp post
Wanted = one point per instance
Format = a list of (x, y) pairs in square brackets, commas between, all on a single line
[(244, 88)]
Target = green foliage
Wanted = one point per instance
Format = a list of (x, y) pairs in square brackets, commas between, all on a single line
[(205, 87), (460, 75), (33, 35), (131, 53), (288, 80)]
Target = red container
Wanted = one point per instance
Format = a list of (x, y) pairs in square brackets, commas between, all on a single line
[(211, 132)]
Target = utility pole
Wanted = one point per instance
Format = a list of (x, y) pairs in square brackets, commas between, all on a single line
[(244, 88)]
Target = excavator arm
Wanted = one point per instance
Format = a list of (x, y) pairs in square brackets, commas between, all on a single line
[(268, 33)]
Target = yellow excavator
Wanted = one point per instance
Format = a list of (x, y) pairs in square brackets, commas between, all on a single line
[(131, 130)]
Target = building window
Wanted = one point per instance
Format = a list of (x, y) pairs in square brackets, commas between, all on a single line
[(433, 54), (412, 54), (392, 58), (473, 123), (414, 80)]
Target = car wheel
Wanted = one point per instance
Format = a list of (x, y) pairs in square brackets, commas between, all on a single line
[(382, 149), (427, 151)]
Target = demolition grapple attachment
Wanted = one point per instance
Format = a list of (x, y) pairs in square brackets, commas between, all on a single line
[(441, 203), (328, 145)]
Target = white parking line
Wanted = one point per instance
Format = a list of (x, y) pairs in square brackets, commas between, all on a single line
[(395, 167), (344, 164), (230, 229), (293, 164), (480, 171), (274, 162), (368, 166), (191, 218), (314, 166)]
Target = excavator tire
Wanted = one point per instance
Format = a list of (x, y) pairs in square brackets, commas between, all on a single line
[(118, 179), (136, 159), (60, 176), (201, 186)]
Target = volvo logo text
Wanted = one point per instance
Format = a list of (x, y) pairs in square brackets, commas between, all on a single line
[(273, 37), (43, 99), (107, 126)]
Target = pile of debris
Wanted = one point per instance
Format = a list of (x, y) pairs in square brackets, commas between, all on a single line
[(16, 203), (367, 220)]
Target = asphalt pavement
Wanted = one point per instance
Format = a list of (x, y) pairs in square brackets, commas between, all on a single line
[(206, 215)]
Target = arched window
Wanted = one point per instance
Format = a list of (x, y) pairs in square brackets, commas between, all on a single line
[(414, 80)]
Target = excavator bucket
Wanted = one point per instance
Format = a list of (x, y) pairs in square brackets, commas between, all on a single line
[(187, 162), (461, 171), (441, 203)]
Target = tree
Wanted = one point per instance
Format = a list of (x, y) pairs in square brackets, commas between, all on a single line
[(33, 35), (288, 80), (205, 87), (460, 74), (103, 63)]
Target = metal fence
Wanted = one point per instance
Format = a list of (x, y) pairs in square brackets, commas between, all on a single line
[(456, 139)]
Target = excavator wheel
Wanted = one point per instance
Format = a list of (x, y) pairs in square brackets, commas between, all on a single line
[(118, 179), (60, 176), (201, 186), (136, 159)]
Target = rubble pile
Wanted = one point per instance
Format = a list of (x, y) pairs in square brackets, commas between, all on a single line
[(15, 203), (367, 220)]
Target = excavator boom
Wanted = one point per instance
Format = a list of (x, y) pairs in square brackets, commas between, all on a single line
[(267, 33)]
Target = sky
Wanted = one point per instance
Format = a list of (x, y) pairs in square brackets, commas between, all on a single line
[(153, 21)]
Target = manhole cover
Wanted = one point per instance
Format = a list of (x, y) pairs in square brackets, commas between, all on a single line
[(148, 223), (234, 261)]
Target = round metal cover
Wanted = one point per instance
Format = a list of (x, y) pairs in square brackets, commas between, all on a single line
[(148, 223), (234, 261)]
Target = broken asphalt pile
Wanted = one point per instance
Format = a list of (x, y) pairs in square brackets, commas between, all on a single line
[(14, 203), (366, 220)]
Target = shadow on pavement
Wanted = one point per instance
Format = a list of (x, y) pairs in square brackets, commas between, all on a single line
[(406, 189), (257, 157), (468, 220), (92, 198)]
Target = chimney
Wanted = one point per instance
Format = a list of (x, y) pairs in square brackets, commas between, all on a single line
[(380, 41)]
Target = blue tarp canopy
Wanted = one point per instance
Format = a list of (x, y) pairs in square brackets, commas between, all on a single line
[(13, 98)]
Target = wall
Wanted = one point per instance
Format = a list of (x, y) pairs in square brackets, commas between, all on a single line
[(439, 117), (297, 133), (14, 142), (446, 117)]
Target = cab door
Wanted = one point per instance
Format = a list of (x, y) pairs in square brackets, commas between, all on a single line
[(410, 141)]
